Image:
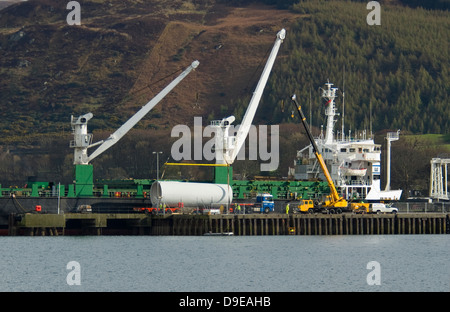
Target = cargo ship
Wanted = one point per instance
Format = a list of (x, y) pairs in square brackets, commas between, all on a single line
[(359, 164)]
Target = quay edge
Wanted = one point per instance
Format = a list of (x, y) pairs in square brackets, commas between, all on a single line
[(33, 224)]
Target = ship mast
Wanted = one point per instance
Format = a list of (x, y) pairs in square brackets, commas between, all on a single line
[(330, 111)]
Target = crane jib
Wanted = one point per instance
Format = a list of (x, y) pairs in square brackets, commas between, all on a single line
[(305, 125), (130, 123)]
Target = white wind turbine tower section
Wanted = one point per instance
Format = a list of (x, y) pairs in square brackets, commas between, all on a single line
[(438, 178)]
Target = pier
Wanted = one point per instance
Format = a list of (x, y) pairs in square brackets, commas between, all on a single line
[(35, 224)]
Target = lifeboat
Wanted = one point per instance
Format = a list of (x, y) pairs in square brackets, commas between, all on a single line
[(353, 172)]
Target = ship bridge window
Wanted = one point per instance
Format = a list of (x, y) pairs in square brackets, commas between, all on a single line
[(344, 150), (376, 177), (360, 150), (352, 150), (366, 150)]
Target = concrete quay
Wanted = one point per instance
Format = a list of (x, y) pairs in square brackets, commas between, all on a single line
[(32, 224)]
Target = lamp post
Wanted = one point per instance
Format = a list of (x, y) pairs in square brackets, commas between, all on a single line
[(157, 174)]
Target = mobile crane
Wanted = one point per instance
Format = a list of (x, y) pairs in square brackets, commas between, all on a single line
[(333, 203)]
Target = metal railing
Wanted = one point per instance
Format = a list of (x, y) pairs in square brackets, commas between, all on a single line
[(413, 207)]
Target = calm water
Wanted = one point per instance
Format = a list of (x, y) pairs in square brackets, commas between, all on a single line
[(263, 263)]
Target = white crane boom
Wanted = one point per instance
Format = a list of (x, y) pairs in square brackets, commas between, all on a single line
[(229, 146), (244, 128), (81, 157)]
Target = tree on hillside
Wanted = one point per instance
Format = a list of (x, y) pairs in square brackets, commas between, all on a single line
[(410, 168), (427, 4), (401, 72)]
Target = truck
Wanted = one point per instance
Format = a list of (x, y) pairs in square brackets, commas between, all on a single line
[(361, 208), (305, 206), (373, 208), (263, 204), (308, 206), (382, 208)]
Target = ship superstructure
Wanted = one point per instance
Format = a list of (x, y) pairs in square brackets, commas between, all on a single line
[(353, 162)]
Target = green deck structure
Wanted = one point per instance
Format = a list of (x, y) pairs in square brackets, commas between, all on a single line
[(85, 187)]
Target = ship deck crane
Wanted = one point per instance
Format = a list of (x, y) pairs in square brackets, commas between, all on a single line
[(334, 203), (83, 140), (227, 147)]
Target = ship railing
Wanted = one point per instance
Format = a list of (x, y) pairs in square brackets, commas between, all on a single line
[(393, 135), (354, 183), (217, 122), (27, 192), (371, 156)]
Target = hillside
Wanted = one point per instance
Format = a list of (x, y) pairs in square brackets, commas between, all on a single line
[(124, 53), (395, 75), (119, 58)]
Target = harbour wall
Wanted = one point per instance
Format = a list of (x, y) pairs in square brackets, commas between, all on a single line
[(33, 224)]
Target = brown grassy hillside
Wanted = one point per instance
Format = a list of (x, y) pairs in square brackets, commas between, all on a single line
[(123, 54)]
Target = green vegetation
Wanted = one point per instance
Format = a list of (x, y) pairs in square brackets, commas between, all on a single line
[(427, 4), (410, 161), (432, 140), (400, 69)]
